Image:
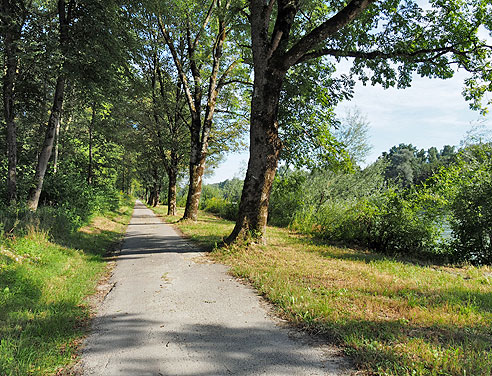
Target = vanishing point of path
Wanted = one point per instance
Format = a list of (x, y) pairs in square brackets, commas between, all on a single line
[(170, 313)]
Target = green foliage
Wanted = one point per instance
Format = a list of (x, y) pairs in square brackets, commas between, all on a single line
[(46, 272), (307, 119), (222, 198), (352, 132), (468, 189), (447, 219), (408, 224), (387, 220), (222, 208), (472, 219), (407, 166), (60, 221), (286, 197)]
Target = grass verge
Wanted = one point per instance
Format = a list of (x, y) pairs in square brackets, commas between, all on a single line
[(393, 317), (44, 284)]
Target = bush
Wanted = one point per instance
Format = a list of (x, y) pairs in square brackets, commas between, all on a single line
[(223, 198), (286, 197), (471, 219), (391, 222), (410, 224), (65, 207), (342, 220), (222, 207), (79, 199)]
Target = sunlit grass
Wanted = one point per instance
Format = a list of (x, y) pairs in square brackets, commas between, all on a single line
[(392, 316), (44, 283)]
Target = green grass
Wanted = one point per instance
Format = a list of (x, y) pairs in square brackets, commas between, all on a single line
[(392, 316), (44, 284)]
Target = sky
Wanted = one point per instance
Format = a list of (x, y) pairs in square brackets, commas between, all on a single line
[(432, 112)]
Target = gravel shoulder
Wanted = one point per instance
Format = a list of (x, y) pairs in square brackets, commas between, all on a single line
[(169, 313)]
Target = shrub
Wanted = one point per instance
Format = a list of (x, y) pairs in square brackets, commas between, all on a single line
[(222, 207), (471, 219), (346, 221), (286, 197), (410, 224)]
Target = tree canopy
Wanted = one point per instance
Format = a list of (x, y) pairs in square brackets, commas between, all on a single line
[(136, 91)]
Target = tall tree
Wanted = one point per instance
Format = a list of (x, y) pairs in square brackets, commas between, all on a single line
[(90, 57), (173, 143), (391, 38), (203, 73), (169, 124), (65, 12), (352, 132), (13, 15)]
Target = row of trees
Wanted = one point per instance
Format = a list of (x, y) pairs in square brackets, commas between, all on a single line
[(174, 83), (63, 65)]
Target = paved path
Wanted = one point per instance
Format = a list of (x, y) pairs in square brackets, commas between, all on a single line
[(169, 314)]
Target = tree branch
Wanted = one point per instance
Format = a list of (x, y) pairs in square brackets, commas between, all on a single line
[(177, 63), (371, 55), (344, 17), (204, 25), (285, 17)]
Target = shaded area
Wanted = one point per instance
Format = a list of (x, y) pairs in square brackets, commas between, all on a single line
[(44, 279), (220, 350)]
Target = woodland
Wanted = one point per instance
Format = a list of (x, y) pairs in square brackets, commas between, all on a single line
[(136, 96), (105, 101)]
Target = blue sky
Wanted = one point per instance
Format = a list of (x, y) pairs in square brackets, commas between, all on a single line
[(429, 113)]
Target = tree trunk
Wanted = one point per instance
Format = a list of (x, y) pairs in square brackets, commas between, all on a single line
[(173, 177), (91, 137), (11, 35), (57, 146), (265, 147), (8, 111), (44, 157), (154, 191), (150, 200), (157, 195), (196, 168)]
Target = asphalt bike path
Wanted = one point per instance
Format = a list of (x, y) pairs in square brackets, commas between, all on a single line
[(172, 313)]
